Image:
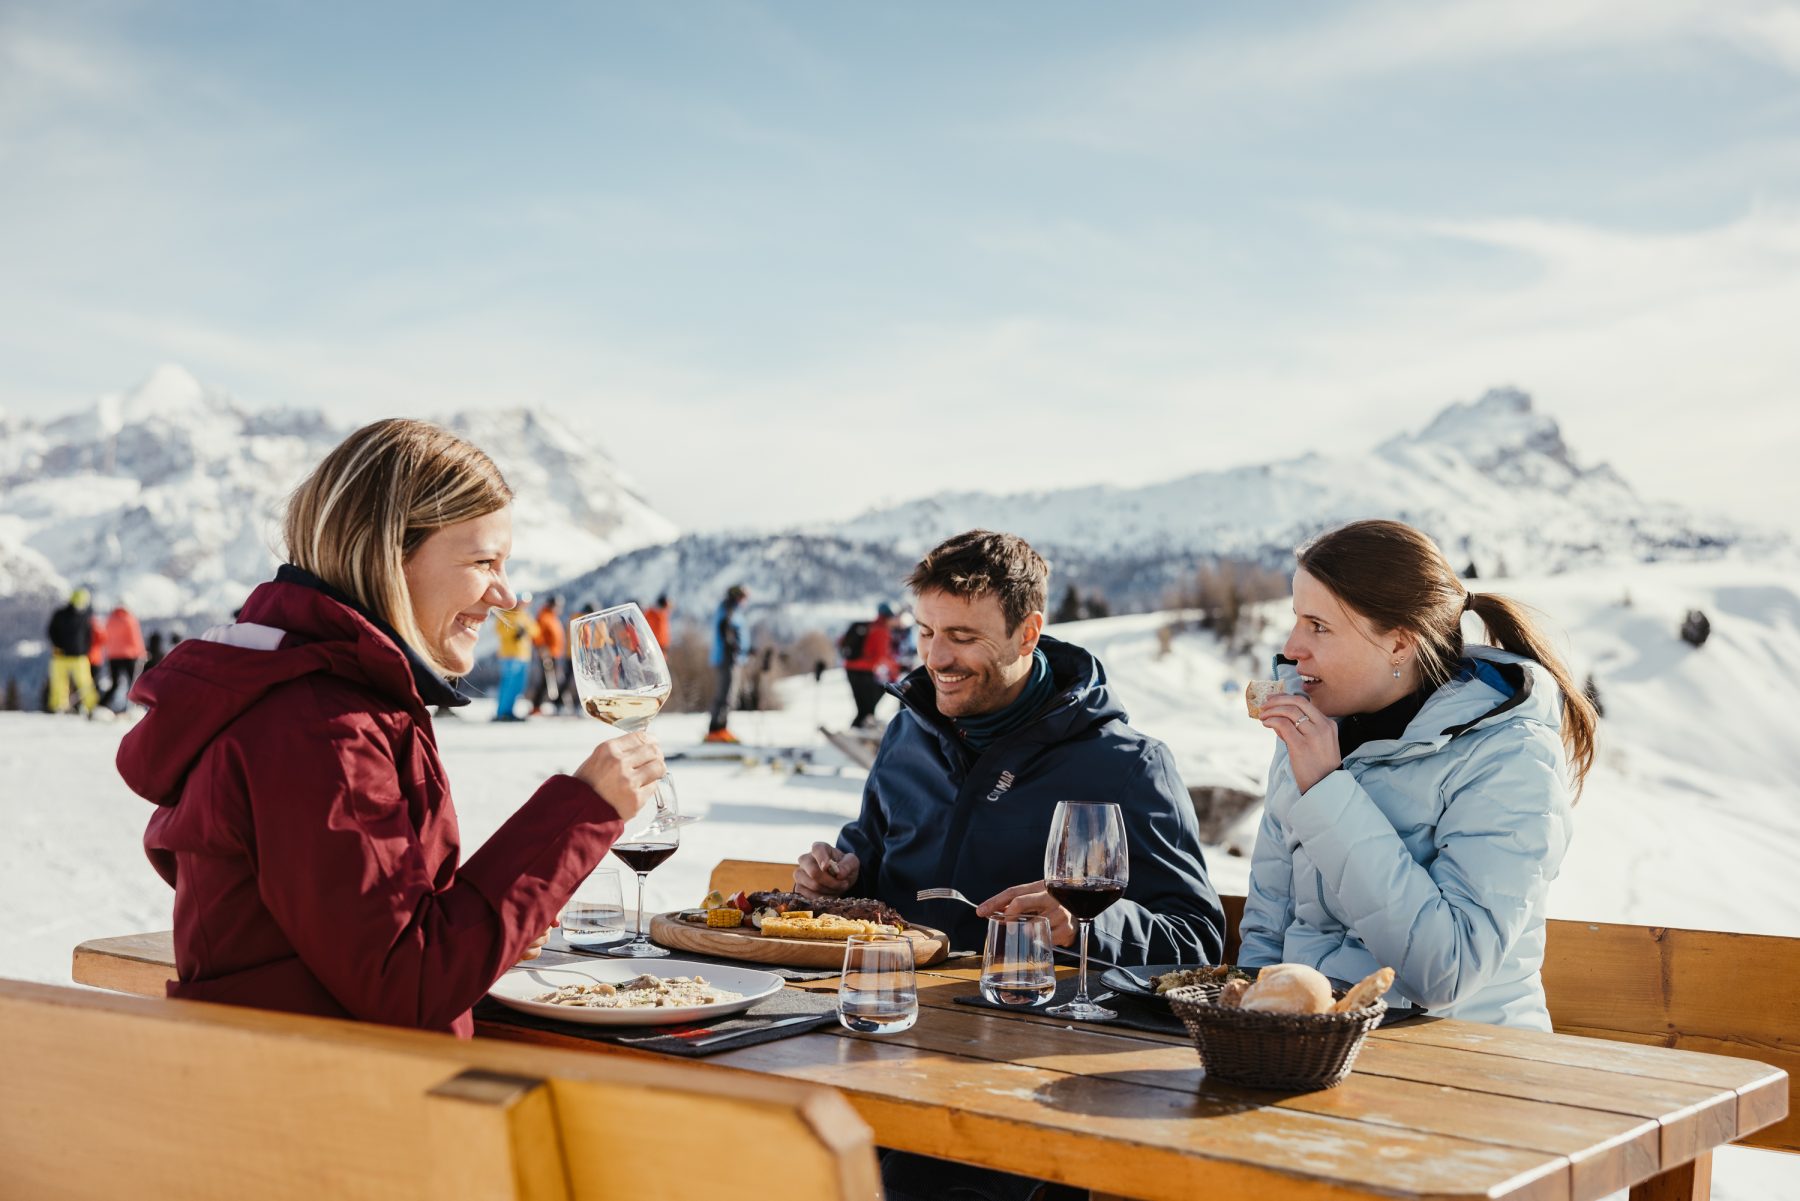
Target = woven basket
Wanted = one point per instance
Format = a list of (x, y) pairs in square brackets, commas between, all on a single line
[(1288, 1051)]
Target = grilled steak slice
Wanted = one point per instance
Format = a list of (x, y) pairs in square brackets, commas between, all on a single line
[(854, 908)]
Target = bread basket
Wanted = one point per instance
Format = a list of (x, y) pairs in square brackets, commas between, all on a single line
[(1288, 1051)]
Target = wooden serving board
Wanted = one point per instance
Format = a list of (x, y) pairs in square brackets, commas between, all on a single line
[(744, 942)]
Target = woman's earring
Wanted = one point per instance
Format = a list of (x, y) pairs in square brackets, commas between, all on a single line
[(1397, 663)]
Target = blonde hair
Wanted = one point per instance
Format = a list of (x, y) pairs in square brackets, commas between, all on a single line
[(370, 503), (1398, 579)]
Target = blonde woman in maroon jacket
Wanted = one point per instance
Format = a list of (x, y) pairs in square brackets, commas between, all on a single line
[(303, 815)]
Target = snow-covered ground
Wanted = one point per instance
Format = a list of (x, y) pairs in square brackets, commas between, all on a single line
[(1689, 819)]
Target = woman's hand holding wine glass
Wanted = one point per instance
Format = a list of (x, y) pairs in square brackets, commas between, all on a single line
[(625, 772)]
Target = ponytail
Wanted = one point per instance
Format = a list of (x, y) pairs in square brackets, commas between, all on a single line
[(1510, 626)]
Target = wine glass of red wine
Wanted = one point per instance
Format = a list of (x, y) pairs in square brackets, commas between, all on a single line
[(1086, 865), (649, 838)]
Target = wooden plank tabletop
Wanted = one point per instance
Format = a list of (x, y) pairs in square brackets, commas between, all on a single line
[(1435, 1109)]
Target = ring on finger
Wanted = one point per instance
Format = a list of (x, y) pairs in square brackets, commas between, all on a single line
[(1303, 718)]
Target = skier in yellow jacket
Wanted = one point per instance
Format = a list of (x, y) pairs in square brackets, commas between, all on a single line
[(71, 641)]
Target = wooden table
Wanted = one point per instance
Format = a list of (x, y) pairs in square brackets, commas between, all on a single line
[(1435, 1108)]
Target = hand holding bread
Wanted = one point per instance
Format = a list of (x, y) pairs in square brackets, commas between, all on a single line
[(1258, 691)]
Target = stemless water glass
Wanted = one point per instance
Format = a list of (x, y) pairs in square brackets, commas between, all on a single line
[(878, 992), (1086, 867), (596, 913), (1016, 967)]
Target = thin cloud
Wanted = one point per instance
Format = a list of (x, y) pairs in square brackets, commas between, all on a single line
[(1207, 80)]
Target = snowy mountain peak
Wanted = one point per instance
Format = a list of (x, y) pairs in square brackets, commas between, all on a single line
[(170, 393), (1500, 435)]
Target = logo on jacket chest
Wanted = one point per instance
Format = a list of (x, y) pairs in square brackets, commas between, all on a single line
[(1000, 786)]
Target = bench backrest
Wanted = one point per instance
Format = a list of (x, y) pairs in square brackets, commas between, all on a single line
[(751, 875), (108, 1096)]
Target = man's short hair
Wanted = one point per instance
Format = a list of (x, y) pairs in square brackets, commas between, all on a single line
[(983, 563)]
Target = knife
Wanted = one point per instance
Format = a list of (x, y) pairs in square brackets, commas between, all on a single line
[(716, 1038)]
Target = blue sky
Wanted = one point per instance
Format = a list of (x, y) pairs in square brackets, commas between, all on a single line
[(793, 260)]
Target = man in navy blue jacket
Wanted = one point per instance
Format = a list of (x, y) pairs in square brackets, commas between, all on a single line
[(997, 725)]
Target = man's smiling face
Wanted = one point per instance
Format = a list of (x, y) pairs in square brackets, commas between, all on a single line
[(976, 666)]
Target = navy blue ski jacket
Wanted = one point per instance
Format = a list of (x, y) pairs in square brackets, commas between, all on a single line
[(938, 813)]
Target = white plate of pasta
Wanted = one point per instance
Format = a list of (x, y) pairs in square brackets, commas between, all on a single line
[(633, 993)]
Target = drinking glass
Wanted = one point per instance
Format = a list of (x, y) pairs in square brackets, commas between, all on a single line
[(650, 837), (1016, 968), (623, 680), (596, 913), (878, 992), (1086, 867)]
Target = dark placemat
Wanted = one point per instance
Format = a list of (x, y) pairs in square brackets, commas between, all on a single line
[(764, 1022), (558, 943), (1135, 1013)]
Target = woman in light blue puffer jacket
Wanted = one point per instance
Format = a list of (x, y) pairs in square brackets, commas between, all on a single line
[(1419, 803)]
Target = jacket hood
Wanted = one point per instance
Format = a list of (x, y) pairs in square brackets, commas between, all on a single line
[(1500, 687), (1082, 698), (284, 632)]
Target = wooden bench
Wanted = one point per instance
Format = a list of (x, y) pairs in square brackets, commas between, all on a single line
[(107, 1096), (1694, 990)]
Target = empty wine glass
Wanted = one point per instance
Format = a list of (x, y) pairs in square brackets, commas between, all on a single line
[(1086, 866), (624, 681)]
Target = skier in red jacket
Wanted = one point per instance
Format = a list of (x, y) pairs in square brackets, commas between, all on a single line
[(873, 666), (303, 814)]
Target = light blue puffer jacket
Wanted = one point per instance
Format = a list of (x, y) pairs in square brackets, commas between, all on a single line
[(1432, 853)]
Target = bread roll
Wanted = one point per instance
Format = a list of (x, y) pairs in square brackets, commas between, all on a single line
[(1288, 988), (1258, 691), (1366, 991)]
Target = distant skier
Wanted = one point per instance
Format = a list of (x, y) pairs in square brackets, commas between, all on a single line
[(124, 652), (657, 618), (870, 665), (71, 635), (514, 628), (730, 644)]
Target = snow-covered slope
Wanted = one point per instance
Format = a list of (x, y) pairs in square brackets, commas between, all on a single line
[(168, 496)]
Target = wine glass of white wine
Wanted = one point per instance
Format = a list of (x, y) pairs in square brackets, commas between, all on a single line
[(623, 680)]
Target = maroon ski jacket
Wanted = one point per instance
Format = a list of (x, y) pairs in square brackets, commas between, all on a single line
[(304, 819)]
